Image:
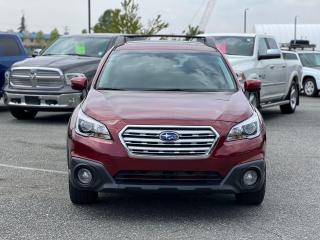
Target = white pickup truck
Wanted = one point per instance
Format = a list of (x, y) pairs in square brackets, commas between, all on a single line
[(255, 56)]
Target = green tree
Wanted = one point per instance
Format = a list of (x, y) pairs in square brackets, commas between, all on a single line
[(54, 35), (22, 28), (39, 39), (127, 20), (84, 31), (192, 31)]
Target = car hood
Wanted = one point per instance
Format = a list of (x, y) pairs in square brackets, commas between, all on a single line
[(238, 60), (134, 105), (63, 62), (313, 71)]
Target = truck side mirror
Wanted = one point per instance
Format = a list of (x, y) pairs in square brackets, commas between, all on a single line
[(253, 85), (36, 52), (79, 83), (270, 54)]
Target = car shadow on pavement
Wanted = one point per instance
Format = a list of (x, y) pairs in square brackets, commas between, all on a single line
[(167, 207)]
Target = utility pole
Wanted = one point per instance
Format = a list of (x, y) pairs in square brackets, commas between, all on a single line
[(245, 20), (295, 29), (89, 16)]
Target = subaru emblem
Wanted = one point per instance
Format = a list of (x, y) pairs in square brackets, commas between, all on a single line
[(169, 136)]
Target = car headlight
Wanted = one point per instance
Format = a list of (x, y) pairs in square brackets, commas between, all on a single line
[(69, 76), (88, 127), (248, 129), (7, 77)]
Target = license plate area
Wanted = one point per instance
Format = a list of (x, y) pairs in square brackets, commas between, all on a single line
[(32, 100)]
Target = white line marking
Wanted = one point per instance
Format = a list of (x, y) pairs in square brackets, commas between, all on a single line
[(33, 169)]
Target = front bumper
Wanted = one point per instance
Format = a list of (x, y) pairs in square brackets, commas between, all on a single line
[(104, 182), (66, 101)]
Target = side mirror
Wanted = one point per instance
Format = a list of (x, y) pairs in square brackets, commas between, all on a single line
[(270, 54), (36, 52), (252, 85), (79, 83)]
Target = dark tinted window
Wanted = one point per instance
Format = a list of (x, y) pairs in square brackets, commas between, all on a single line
[(290, 56), (272, 43), (161, 71), (82, 46), (9, 46), (242, 46)]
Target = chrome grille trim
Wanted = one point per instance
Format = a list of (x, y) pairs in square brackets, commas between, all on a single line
[(21, 77), (143, 141)]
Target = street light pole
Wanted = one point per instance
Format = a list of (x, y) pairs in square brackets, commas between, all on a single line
[(245, 20), (295, 29), (89, 16)]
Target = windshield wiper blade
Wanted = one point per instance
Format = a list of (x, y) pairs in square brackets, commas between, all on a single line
[(76, 54)]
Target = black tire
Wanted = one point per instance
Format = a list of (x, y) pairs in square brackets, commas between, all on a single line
[(293, 97), (23, 114), (310, 87), (252, 198), (81, 197)]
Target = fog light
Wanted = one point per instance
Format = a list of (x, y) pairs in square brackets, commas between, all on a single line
[(250, 177), (84, 176)]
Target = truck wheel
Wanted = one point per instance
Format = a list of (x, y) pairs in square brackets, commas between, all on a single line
[(293, 100), (81, 197), (254, 100), (252, 198), (310, 87), (23, 114)]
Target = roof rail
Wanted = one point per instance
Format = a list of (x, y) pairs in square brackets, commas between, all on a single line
[(121, 40)]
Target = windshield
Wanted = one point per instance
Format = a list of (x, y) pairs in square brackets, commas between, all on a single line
[(165, 71), (80, 46), (241, 46), (310, 59)]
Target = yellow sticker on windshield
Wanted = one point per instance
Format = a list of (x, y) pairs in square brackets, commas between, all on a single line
[(80, 49)]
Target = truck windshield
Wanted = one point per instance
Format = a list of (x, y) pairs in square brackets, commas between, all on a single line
[(166, 71), (310, 59), (241, 46), (80, 46)]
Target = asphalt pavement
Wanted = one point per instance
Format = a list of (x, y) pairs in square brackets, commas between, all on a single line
[(34, 201)]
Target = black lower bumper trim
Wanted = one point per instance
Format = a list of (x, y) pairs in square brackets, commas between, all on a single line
[(103, 181)]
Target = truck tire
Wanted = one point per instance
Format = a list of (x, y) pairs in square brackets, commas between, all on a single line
[(310, 87), (81, 197), (252, 198), (293, 97), (23, 114)]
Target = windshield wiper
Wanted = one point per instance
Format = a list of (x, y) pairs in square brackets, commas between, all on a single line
[(76, 54)]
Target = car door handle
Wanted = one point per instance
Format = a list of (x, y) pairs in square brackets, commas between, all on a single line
[(284, 66), (272, 67)]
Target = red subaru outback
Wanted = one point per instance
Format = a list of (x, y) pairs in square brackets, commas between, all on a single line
[(166, 115)]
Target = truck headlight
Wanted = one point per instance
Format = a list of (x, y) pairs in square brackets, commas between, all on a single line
[(69, 76), (248, 129), (7, 77), (88, 127)]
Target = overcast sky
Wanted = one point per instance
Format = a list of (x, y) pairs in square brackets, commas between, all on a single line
[(226, 17)]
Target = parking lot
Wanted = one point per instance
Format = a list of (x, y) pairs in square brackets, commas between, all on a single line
[(35, 202)]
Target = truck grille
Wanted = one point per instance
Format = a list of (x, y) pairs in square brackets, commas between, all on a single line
[(168, 178), (36, 78), (192, 141)]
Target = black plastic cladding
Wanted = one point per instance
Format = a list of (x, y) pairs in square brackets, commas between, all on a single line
[(121, 40)]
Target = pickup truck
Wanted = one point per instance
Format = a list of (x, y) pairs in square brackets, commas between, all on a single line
[(255, 56), (42, 83), (11, 51)]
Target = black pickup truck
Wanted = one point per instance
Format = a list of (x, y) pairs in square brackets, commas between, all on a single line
[(42, 83)]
